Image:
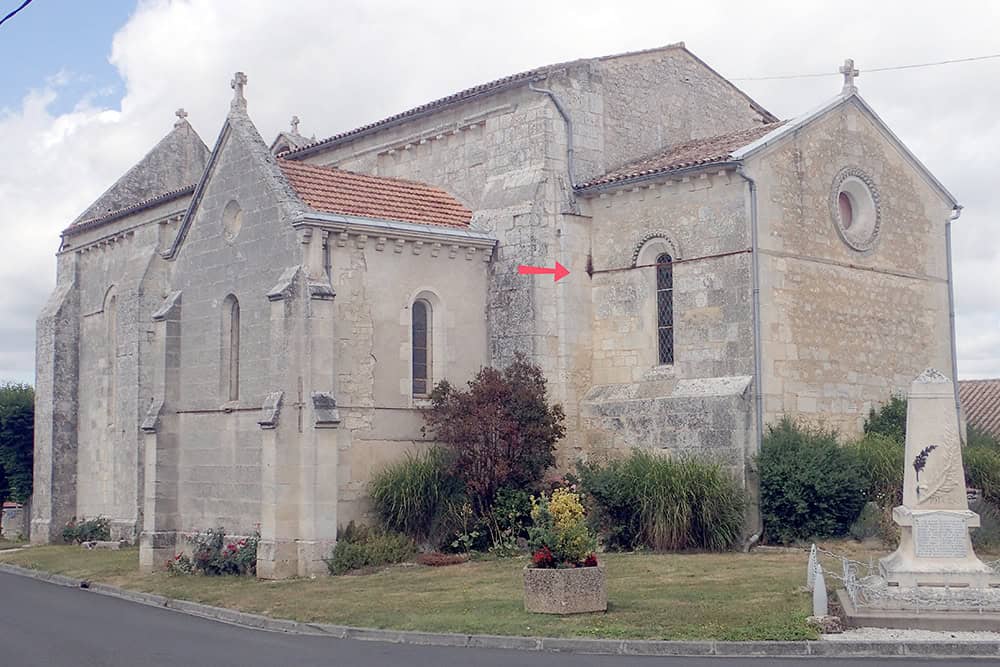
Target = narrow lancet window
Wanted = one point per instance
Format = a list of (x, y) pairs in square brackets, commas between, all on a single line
[(231, 349), (421, 347), (665, 308)]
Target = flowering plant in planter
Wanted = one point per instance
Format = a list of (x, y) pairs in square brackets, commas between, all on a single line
[(560, 537)]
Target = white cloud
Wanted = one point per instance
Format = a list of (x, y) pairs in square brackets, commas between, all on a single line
[(338, 65)]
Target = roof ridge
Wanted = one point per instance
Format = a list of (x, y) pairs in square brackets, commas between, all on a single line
[(494, 85)]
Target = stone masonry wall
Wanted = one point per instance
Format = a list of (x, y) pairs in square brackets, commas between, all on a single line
[(118, 279), (376, 281), (704, 223), (843, 329), (220, 444)]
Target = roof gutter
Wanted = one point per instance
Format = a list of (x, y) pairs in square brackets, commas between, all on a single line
[(568, 122), (755, 271)]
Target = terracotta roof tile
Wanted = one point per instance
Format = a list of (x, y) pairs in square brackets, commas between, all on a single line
[(332, 190), (692, 153), (981, 403)]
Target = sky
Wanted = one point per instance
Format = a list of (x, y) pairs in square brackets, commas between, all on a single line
[(89, 87)]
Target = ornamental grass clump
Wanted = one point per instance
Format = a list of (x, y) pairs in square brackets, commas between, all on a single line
[(560, 537), (650, 501)]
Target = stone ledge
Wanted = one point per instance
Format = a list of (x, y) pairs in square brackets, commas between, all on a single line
[(553, 644)]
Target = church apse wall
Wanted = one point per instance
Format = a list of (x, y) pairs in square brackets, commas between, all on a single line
[(685, 389), (380, 389), (849, 314)]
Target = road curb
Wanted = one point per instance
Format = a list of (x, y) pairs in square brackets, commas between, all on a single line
[(623, 647)]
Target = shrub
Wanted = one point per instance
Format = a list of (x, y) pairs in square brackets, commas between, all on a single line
[(438, 559), (180, 564), (882, 457), (809, 485), (888, 420), (987, 536), (982, 471), (501, 431), (214, 556), (559, 536), (978, 437), (87, 530), (360, 547), (665, 504), (17, 424), (418, 497)]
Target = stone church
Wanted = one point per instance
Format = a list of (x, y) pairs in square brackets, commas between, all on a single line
[(240, 336)]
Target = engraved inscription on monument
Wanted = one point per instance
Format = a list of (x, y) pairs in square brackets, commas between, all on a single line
[(940, 536)]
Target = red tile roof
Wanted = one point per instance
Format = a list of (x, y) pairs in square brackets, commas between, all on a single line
[(332, 190), (981, 403), (692, 153)]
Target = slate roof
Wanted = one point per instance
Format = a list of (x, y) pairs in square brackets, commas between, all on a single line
[(981, 403), (332, 190), (694, 153), (496, 86), (176, 162), (84, 225)]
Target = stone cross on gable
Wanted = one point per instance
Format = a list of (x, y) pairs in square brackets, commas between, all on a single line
[(237, 84), (295, 124), (181, 117), (850, 73)]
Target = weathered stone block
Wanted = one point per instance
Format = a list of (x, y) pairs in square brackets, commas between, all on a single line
[(577, 590)]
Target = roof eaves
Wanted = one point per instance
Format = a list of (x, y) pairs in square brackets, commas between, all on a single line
[(84, 225), (400, 228), (599, 186), (482, 90)]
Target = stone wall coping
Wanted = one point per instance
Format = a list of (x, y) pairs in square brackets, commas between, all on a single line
[(630, 647)]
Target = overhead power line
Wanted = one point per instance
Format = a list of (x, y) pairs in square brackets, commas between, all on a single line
[(870, 69), (23, 5)]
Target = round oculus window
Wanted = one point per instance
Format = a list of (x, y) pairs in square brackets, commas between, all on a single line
[(854, 206), (232, 220)]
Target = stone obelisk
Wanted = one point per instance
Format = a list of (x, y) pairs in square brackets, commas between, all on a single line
[(935, 549)]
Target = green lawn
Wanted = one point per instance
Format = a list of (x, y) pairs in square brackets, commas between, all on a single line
[(687, 596), (7, 544)]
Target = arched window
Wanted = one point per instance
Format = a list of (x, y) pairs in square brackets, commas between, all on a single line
[(231, 349), (665, 308), (111, 320), (420, 342)]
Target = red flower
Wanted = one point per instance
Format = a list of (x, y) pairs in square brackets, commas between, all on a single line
[(590, 561), (543, 558)]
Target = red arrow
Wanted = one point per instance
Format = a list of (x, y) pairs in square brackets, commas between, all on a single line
[(558, 273)]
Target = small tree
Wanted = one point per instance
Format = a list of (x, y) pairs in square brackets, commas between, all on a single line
[(501, 431), (17, 433), (889, 420)]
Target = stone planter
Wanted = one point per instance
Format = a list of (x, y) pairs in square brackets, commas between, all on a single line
[(576, 590)]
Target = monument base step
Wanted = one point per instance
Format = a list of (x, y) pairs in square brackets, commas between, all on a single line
[(905, 619)]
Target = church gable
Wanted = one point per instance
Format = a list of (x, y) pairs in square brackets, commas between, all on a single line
[(172, 167)]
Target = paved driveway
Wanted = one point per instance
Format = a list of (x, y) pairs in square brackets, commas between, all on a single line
[(53, 626)]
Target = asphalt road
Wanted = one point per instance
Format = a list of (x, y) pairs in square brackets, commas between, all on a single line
[(52, 626)]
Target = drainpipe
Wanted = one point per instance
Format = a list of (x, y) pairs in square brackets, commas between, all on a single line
[(573, 208), (755, 270), (955, 213)]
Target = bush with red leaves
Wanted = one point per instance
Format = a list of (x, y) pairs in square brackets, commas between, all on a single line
[(501, 431)]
